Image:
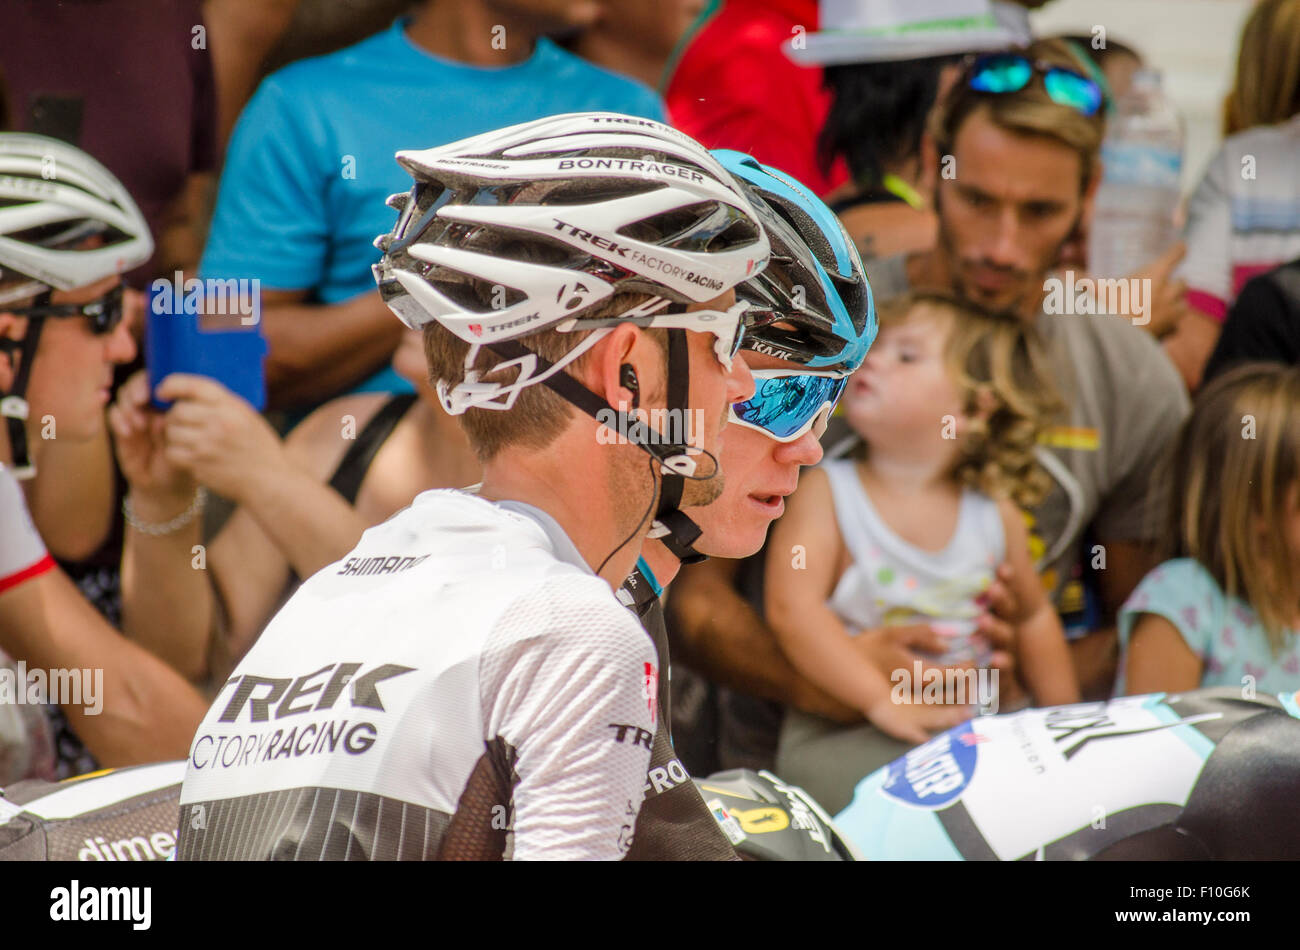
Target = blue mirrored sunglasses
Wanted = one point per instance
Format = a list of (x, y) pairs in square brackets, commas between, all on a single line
[(786, 404), (999, 73)]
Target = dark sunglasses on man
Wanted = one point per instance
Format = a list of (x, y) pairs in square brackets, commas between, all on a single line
[(104, 312), (1003, 73)]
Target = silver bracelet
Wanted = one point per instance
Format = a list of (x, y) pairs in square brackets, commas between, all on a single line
[(166, 527)]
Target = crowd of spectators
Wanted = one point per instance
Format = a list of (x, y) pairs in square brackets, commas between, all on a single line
[(1131, 490)]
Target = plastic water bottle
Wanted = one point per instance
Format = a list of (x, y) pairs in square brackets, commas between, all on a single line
[(1133, 221)]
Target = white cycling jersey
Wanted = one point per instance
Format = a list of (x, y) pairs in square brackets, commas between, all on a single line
[(22, 552), (460, 685)]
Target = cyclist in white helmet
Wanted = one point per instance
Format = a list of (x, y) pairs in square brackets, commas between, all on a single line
[(464, 683), (68, 229)]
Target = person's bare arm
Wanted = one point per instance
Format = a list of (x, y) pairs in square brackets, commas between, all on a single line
[(317, 350), (716, 632), (147, 713), (796, 591), (267, 536), (1190, 345), (1159, 660), (242, 34), (1096, 655), (1040, 638), (795, 594), (166, 599), (72, 500), (289, 516)]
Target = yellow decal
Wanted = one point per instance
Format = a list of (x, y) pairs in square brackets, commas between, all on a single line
[(1071, 437), (78, 778), (758, 820)]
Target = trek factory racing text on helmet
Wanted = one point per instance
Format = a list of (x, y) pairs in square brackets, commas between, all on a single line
[(531, 227), (812, 304), (561, 214), (53, 197)]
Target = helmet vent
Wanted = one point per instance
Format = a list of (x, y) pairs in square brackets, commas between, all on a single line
[(703, 227)]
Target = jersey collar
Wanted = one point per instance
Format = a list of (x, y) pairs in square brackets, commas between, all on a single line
[(563, 548)]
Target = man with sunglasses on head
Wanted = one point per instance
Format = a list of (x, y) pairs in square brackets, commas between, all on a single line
[(1020, 134)]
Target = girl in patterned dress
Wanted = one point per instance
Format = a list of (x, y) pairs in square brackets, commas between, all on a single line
[(1224, 606)]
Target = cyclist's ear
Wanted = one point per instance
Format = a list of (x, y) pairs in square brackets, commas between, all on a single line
[(627, 354), (609, 366)]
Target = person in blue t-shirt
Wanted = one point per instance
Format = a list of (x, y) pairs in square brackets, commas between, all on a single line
[(311, 161)]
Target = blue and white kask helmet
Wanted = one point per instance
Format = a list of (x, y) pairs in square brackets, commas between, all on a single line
[(812, 304)]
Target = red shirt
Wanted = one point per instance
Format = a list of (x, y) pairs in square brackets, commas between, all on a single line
[(735, 87)]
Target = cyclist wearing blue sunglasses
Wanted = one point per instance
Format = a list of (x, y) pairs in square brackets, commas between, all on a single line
[(809, 325), (810, 322)]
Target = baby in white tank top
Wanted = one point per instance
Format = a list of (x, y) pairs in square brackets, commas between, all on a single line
[(949, 404)]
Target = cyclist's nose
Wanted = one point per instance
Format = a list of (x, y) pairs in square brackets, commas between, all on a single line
[(740, 381), (805, 450), (119, 346)]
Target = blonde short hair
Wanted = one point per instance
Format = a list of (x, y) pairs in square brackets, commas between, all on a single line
[(538, 415)]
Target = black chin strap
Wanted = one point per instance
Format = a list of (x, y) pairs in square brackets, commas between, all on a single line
[(682, 531), (13, 404), (672, 456)]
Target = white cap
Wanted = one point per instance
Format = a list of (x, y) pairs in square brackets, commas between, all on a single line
[(873, 31)]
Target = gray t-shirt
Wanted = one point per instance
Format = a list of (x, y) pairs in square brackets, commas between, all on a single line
[(1125, 403)]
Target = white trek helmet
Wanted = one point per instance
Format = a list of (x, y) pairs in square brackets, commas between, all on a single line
[(593, 204), (52, 197), (528, 228)]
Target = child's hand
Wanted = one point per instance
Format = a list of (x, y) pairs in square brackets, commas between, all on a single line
[(997, 625), (1000, 597), (913, 722)]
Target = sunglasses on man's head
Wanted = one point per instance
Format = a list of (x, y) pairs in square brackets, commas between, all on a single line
[(1001, 73), (786, 403), (104, 312)]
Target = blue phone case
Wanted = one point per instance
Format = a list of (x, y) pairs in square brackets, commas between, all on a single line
[(174, 343)]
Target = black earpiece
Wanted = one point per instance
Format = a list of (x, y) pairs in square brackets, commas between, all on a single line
[(627, 378)]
